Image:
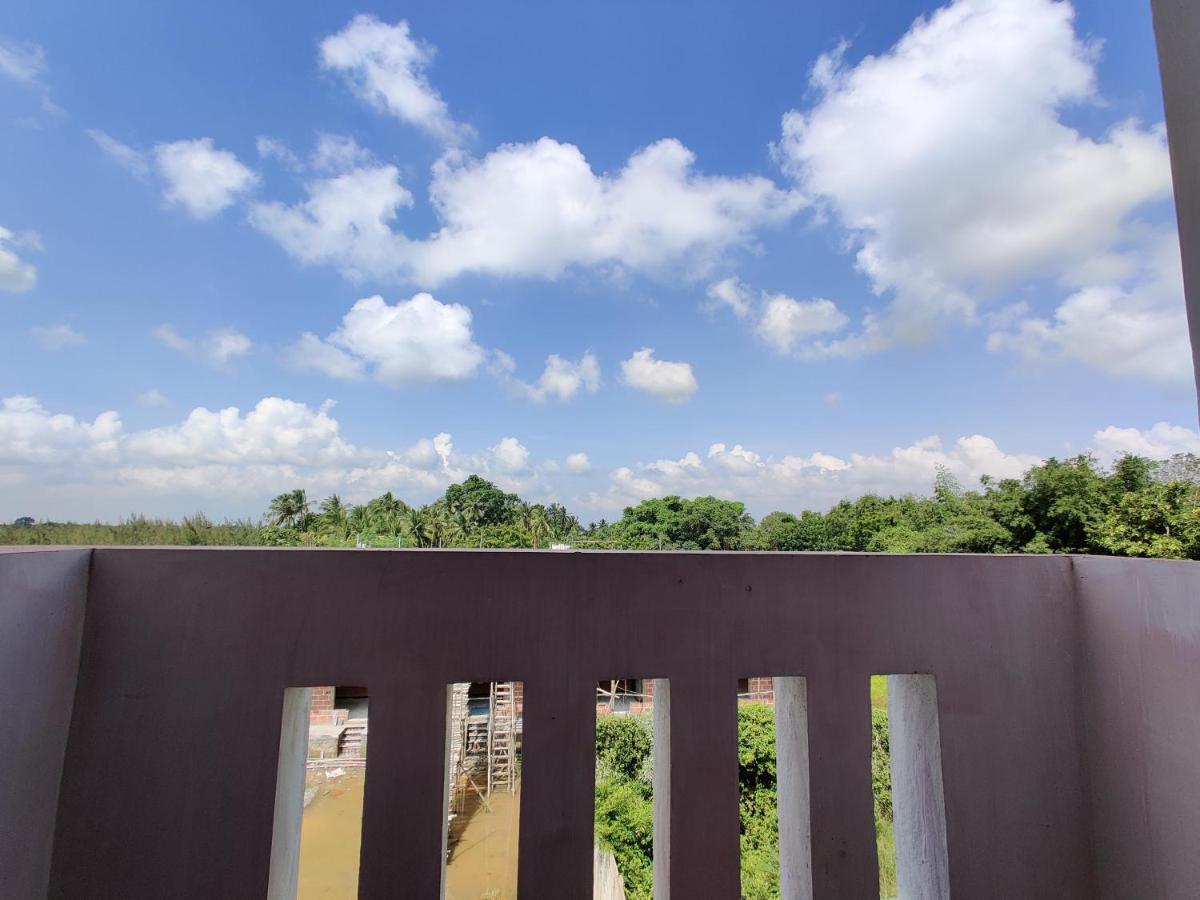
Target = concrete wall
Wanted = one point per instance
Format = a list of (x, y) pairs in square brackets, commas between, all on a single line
[(1140, 628), (42, 598), (1066, 696)]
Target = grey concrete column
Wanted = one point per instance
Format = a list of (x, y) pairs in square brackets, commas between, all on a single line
[(922, 863), (1177, 30), (795, 823), (661, 781), (289, 794)]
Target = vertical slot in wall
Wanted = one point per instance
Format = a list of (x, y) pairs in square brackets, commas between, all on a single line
[(773, 785), (319, 790), (906, 776), (629, 742), (484, 729)]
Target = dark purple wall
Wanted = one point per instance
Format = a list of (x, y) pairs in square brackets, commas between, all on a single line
[(1068, 695), (1141, 704), (42, 597), (168, 785)]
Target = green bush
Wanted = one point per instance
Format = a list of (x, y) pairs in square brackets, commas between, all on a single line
[(625, 825), (623, 747)]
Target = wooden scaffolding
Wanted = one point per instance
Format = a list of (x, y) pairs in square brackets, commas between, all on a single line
[(481, 744)]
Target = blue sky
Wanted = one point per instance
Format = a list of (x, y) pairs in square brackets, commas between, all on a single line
[(787, 255)]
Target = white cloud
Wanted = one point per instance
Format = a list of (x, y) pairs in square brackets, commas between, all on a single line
[(510, 455), (833, 400), (670, 381), (201, 178), (25, 63), (57, 337), (733, 295), (814, 481), (220, 347), (386, 67), (561, 379), (129, 159), (30, 434), (275, 431), (411, 342), (947, 162), (16, 275), (578, 463), (273, 148), (230, 461), (153, 399), (1139, 331), (22, 62), (344, 222), (338, 153), (785, 322), (310, 352), (538, 209), (1161, 441), (533, 209)]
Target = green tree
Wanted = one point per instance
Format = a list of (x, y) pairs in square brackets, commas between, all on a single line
[(290, 510)]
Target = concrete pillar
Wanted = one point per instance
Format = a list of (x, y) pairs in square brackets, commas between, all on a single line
[(795, 827), (661, 778), (922, 863), (289, 795)]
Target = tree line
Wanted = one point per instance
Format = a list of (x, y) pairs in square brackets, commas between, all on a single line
[(1136, 507)]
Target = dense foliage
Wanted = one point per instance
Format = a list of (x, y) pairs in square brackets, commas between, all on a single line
[(624, 800), (1137, 508)]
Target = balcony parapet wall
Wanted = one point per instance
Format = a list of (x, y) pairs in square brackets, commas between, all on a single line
[(146, 686)]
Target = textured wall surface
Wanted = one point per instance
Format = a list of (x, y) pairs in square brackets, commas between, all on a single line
[(1066, 695), (41, 624)]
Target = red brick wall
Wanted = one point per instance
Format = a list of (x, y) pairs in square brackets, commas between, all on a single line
[(321, 711)]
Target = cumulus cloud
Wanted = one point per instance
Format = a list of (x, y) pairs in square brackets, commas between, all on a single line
[(16, 275), (231, 460), (948, 163), (344, 222), (386, 67), (535, 209), (510, 455), (561, 379), (29, 433), (201, 178), (813, 481), (786, 322), (1138, 331), (56, 337), (220, 347), (670, 381), (1161, 441), (411, 342), (578, 463)]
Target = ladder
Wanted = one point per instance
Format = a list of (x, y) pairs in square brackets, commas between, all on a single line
[(457, 749), (502, 739)]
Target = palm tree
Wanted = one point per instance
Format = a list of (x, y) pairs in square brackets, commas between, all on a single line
[(538, 526), (387, 513), (334, 517), (419, 524), (290, 510)]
